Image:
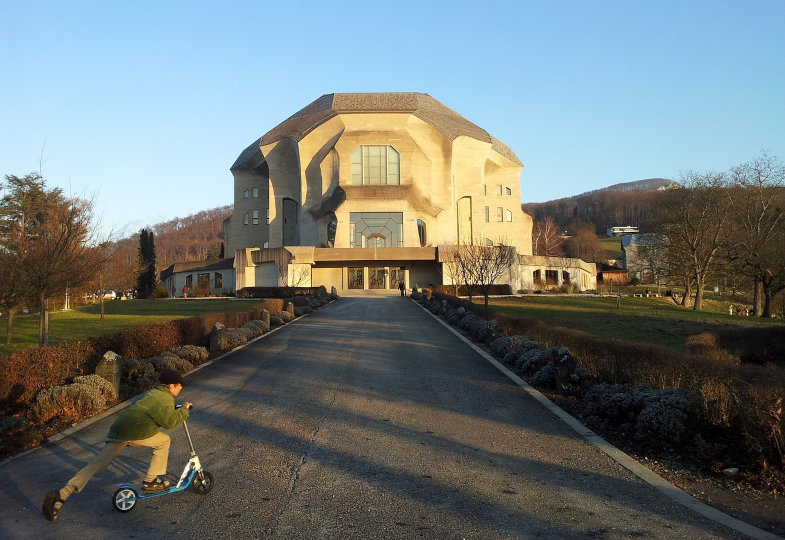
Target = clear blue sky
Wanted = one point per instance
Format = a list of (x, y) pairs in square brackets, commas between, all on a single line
[(145, 105)]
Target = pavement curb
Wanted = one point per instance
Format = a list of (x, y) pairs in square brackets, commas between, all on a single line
[(642, 472)]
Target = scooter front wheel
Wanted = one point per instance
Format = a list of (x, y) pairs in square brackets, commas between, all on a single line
[(124, 499), (202, 482)]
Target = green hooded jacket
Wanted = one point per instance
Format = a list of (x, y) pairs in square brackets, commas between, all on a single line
[(141, 420)]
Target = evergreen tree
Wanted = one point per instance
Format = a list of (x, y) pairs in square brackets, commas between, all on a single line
[(146, 278)]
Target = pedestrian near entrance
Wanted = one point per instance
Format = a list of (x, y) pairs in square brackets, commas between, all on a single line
[(137, 425), (402, 288)]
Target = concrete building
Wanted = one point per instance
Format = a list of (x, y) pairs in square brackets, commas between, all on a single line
[(359, 191)]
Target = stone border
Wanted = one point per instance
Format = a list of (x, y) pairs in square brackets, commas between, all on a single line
[(642, 472)]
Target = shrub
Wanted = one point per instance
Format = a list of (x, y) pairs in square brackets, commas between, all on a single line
[(668, 417), (194, 354), (274, 305), (72, 401), (256, 327), (24, 374), (160, 292), (169, 360), (100, 385), (504, 344), (139, 375), (285, 316)]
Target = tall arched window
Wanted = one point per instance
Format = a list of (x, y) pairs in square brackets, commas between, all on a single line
[(376, 165), (332, 226)]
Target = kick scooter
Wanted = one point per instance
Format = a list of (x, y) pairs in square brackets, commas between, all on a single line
[(126, 496)]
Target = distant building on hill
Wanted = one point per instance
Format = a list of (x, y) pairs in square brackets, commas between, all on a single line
[(642, 256), (618, 231)]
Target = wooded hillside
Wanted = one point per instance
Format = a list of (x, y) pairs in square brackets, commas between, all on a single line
[(193, 238), (636, 205)]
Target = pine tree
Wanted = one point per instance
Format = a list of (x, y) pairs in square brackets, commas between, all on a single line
[(146, 278)]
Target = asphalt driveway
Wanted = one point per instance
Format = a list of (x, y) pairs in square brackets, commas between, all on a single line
[(365, 419)]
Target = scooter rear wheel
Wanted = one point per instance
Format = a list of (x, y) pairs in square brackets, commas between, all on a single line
[(124, 499), (202, 482)]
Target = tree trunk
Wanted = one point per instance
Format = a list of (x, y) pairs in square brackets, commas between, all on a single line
[(43, 322), (687, 292), (756, 299), (10, 324), (698, 295)]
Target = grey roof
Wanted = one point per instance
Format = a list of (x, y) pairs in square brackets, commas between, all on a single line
[(423, 106)]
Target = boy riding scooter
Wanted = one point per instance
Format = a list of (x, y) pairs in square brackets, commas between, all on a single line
[(137, 425)]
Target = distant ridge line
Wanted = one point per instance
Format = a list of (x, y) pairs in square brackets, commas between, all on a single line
[(637, 185)]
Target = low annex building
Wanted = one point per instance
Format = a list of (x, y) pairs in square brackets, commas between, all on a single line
[(360, 190)]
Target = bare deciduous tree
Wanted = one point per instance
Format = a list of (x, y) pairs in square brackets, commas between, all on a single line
[(695, 222), (756, 199), (546, 238), (480, 265)]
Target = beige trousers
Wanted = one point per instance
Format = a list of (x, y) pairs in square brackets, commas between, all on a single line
[(159, 443)]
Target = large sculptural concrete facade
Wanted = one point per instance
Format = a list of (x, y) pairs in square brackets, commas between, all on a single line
[(359, 191)]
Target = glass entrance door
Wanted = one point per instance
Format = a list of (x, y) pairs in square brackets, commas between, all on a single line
[(376, 278), (355, 278)]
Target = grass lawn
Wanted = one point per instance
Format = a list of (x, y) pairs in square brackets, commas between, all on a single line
[(612, 246), (85, 322), (648, 320)]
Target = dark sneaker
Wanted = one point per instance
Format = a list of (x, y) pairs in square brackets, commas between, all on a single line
[(155, 486), (52, 505)]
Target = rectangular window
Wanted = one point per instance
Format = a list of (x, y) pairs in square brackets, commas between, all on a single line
[(487, 214), (509, 215), (498, 189), (245, 194), (189, 280), (551, 277), (485, 190), (219, 280), (245, 218), (376, 165), (509, 191), (203, 280), (256, 192), (255, 217), (499, 214)]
